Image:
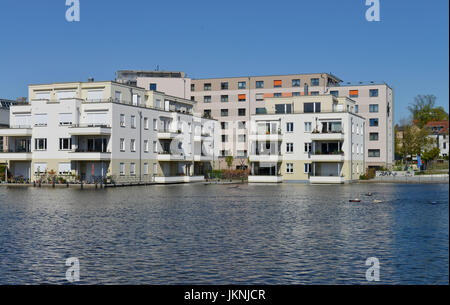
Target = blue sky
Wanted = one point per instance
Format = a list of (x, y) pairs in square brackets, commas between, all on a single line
[(409, 48)]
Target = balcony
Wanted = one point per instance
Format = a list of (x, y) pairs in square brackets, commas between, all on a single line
[(16, 155), (202, 137), (90, 130), (17, 131), (168, 156), (327, 157), (267, 137), (90, 155), (327, 136), (203, 158), (168, 134), (266, 158), (265, 179), (326, 180)]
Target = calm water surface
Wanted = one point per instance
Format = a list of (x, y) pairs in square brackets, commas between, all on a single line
[(219, 234)]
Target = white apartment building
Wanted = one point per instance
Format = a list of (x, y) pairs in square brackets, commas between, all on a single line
[(233, 100), (309, 139), (92, 131)]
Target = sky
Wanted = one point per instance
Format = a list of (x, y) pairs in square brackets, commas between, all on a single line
[(408, 48)]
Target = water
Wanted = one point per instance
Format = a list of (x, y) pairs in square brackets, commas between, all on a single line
[(218, 234)]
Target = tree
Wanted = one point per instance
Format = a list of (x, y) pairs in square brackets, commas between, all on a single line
[(229, 160), (423, 110), (415, 140), (431, 154)]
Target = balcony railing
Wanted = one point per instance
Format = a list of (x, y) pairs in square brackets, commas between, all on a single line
[(86, 150), (90, 125), (16, 151), (19, 126), (328, 153)]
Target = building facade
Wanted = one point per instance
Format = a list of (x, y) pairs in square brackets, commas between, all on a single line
[(92, 131), (308, 139), (232, 101), (439, 133)]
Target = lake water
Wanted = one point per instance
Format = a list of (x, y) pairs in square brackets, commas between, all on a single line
[(222, 234)]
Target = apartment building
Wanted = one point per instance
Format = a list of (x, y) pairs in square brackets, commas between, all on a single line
[(92, 131), (233, 100), (307, 139)]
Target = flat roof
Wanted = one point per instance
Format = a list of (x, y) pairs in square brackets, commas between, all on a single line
[(272, 75)]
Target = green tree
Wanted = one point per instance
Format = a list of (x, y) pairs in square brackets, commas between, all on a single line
[(423, 110), (229, 160), (415, 140), (431, 154)]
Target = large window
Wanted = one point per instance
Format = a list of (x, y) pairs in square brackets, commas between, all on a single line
[(289, 147), (40, 144), (308, 126), (153, 87), (207, 99), (122, 120), (373, 108), (224, 112), (241, 111), (283, 108), (311, 107), (314, 82), (295, 83), (122, 144), (373, 122), (261, 110), (122, 169), (224, 138), (290, 127), (207, 87), (277, 83), (224, 98), (65, 118), (224, 86), (374, 153), (242, 97), (242, 85), (133, 121), (334, 93), (296, 94), (308, 147), (132, 169), (241, 138), (133, 145), (224, 125), (354, 93), (289, 168), (308, 168), (192, 87), (277, 95), (40, 119), (259, 84)]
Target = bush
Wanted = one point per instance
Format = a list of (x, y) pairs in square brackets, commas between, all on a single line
[(235, 174)]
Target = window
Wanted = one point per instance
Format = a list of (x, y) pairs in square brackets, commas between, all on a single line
[(289, 147), (373, 92), (65, 119), (373, 108), (356, 108), (155, 146), (261, 110), (133, 121), (314, 82), (296, 83), (241, 111), (308, 147), (192, 87), (207, 99), (224, 112), (373, 136), (277, 83), (224, 138), (146, 146), (133, 145), (40, 119), (207, 113), (373, 122), (242, 85), (290, 127), (155, 124), (207, 87), (314, 93), (64, 168), (295, 93), (132, 169), (40, 167), (283, 108), (354, 93), (118, 96), (145, 123), (241, 125), (192, 98), (242, 97), (152, 87), (136, 99), (242, 138), (224, 85), (259, 97), (122, 169), (308, 126), (65, 143), (145, 168), (308, 168), (224, 98), (289, 168), (122, 120), (334, 93), (40, 144), (259, 84), (374, 153), (311, 107), (277, 95), (122, 144), (224, 125)]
